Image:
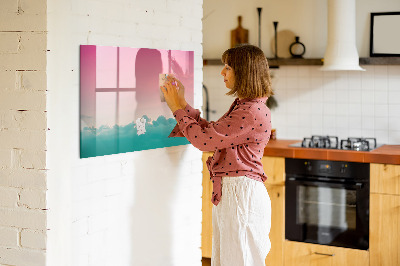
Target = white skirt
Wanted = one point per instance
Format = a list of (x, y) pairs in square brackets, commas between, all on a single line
[(241, 223)]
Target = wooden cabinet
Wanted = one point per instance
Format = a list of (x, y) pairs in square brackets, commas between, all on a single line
[(274, 168), (277, 233), (304, 254), (385, 215), (206, 226), (384, 230), (385, 178)]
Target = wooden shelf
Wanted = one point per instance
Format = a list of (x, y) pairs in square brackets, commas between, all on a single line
[(380, 61), (212, 62), (273, 63)]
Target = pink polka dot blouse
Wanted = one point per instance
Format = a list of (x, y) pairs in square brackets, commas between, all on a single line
[(238, 139)]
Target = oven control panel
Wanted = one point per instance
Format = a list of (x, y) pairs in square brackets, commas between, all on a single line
[(337, 169), (325, 167)]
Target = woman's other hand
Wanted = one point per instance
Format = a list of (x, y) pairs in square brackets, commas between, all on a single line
[(171, 95), (181, 90)]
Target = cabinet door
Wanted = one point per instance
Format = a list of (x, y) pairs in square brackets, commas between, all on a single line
[(206, 225), (304, 254), (277, 233), (274, 168), (385, 178), (384, 230)]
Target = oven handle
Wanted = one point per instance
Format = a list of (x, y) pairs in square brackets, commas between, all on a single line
[(357, 185)]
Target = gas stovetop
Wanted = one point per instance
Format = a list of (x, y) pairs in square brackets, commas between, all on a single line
[(332, 142)]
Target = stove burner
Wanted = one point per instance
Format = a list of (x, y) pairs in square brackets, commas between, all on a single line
[(358, 144), (328, 142), (332, 142)]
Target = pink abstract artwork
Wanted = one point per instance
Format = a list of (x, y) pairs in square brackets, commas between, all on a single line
[(120, 104)]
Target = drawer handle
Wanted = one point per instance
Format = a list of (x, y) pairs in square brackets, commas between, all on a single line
[(324, 254)]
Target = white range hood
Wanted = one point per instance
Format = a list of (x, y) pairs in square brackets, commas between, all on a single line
[(341, 51)]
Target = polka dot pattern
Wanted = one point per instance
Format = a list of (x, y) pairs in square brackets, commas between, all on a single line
[(238, 139)]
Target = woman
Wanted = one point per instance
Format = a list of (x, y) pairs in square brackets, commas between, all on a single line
[(242, 212)]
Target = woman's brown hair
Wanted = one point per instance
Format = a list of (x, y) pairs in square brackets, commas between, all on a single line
[(250, 66)]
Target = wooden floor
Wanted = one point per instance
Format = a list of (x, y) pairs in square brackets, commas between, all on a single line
[(206, 261)]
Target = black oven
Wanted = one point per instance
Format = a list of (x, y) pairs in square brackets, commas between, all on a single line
[(327, 202)]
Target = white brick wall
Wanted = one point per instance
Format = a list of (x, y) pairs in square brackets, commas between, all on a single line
[(140, 208), (100, 209), (8, 197), (34, 239), (9, 237), (11, 256), (23, 132)]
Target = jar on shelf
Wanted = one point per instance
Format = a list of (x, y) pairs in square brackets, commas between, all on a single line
[(297, 49)]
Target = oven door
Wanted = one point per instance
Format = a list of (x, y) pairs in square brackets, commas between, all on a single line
[(327, 213)]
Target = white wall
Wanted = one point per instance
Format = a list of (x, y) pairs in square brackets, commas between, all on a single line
[(343, 104), (23, 133), (140, 208), (311, 102), (306, 19), (220, 17)]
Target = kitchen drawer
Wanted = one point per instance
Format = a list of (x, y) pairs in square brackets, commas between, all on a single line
[(385, 178), (274, 168), (384, 236), (305, 254)]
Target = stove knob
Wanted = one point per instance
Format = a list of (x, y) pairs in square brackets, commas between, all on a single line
[(308, 166), (343, 168)]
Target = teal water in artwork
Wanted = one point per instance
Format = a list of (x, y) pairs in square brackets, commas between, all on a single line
[(107, 140)]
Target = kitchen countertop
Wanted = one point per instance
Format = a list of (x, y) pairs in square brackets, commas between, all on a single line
[(389, 154)]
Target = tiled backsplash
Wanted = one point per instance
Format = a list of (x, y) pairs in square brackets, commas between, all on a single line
[(314, 102)]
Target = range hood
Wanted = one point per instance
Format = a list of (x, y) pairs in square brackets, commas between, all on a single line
[(341, 51)]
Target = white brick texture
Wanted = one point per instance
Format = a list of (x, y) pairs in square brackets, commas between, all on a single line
[(31, 80), (27, 120), (23, 126), (30, 55), (23, 178), (33, 159), (33, 199), (23, 139), (8, 197), (125, 206), (5, 158), (18, 256), (8, 80), (33, 239), (23, 15), (23, 218), (9, 237), (10, 42), (23, 100)]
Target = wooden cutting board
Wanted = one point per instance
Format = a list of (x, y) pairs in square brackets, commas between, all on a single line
[(239, 35)]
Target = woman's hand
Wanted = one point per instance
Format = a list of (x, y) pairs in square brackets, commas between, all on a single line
[(171, 96), (181, 90)]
